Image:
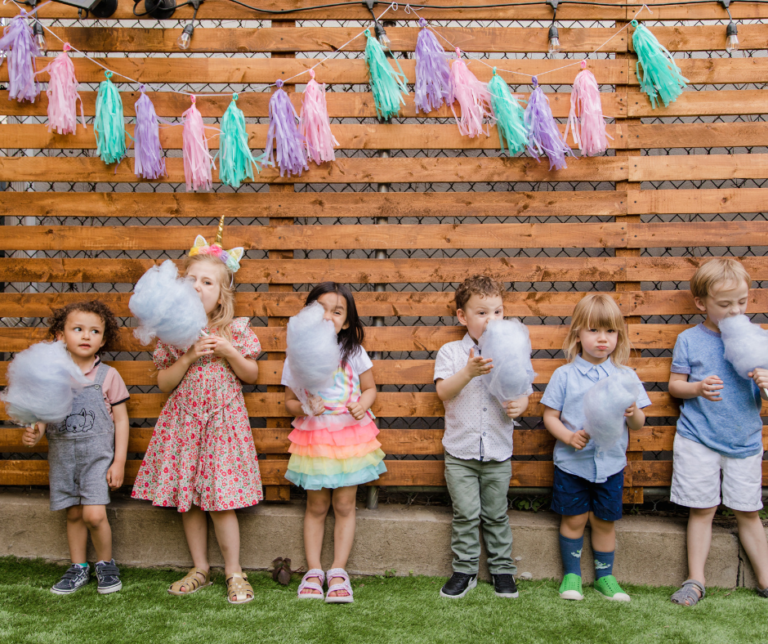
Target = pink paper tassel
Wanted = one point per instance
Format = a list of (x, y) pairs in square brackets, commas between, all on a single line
[(197, 159), (62, 95), (314, 124), (473, 97), (586, 120)]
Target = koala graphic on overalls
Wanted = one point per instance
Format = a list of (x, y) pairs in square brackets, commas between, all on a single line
[(81, 449)]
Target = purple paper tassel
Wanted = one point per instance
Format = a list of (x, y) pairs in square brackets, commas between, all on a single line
[(148, 161), (284, 134), (432, 72), (18, 46), (545, 137)]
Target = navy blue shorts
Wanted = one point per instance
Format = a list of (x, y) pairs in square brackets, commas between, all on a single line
[(573, 495)]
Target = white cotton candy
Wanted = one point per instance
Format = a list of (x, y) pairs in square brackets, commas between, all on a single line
[(746, 344), (313, 349), (604, 407), (508, 344), (42, 381), (168, 307)]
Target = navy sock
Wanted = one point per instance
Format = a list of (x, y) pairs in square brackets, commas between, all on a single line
[(570, 553), (603, 563)]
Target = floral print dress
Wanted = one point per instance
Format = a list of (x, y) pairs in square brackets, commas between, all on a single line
[(202, 452)]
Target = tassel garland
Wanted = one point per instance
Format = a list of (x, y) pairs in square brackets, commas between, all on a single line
[(314, 124), (387, 85), (545, 135), (473, 97), (284, 135), (197, 159), (149, 162), (432, 72), (62, 95), (109, 124), (509, 115), (18, 46), (235, 159), (660, 77), (585, 119)]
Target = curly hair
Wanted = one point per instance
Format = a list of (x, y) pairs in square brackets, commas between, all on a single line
[(58, 320), (477, 285)]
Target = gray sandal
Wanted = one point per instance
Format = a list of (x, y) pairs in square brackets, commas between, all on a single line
[(687, 595)]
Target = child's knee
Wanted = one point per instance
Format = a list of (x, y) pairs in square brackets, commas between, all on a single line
[(746, 517), (344, 506), (318, 506), (574, 522), (94, 516), (75, 513)]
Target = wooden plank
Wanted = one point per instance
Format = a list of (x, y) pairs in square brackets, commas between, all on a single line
[(653, 269), (720, 233), (344, 170), (304, 204), (697, 167), (696, 135), (705, 37), (673, 202), (707, 103), (415, 236), (716, 71), (340, 104), (681, 302), (663, 10)]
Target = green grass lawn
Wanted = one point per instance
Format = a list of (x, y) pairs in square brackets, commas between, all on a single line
[(400, 609)]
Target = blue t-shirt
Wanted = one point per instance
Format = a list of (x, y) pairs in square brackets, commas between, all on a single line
[(565, 392), (732, 426)]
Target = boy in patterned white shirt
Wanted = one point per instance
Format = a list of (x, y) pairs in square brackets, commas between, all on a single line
[(478, 445)]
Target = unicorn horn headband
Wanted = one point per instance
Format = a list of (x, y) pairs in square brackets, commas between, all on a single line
[(231, 258)]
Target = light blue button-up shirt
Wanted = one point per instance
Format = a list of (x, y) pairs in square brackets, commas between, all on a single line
[(565, 392)]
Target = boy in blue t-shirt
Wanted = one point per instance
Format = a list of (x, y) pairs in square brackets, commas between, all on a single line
[(719, 429)]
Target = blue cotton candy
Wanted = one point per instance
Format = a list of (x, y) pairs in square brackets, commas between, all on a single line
[(42, 381), (604, 407), (168, 307), (746, 344), (508, 344), (312, 349)]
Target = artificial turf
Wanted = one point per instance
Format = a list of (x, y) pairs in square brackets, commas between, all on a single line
[(396, 609)]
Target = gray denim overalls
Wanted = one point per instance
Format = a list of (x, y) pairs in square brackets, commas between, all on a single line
[(81, 449)]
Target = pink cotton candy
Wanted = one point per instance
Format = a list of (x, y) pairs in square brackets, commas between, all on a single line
[(314, 123), (197, 159), (473, 97), (62, 95), (586, 117)]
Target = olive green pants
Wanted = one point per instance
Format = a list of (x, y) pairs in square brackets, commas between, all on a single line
[(478, 492)]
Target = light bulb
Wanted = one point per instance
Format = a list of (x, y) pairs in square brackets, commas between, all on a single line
[(382, 37), (554, 40), (732, 38), (183, 41), (39, 37)]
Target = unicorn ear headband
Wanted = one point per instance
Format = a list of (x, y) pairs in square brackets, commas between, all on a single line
[(231, 258)]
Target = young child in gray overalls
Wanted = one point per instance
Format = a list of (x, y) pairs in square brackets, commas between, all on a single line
[(87, 451)]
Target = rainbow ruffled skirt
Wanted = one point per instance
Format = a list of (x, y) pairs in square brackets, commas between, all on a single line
[(334, 450)]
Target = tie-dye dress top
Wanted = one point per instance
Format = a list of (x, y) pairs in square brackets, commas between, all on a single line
[(334, 449)]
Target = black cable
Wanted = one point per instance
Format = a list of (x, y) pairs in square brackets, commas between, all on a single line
[(146, 13)]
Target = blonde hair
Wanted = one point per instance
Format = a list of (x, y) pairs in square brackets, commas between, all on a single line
[(715, 272), (593, 311), (221, 317)]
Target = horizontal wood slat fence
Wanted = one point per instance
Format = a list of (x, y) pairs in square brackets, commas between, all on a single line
[(408, 210)]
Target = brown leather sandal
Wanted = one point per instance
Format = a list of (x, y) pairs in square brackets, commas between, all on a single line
[(190, 582), (239, 591)]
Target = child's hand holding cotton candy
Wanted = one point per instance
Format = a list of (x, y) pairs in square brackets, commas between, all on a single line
[(42, 382), (508, 344), (746, 345), (167, 307), (606, 406)]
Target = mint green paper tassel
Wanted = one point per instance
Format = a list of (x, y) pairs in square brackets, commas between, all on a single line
[(660, 76), (509, 114), (387, 84), (109, 124), (235, 158)]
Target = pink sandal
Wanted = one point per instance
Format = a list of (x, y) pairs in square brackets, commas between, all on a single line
[(339, 572), (311, 585)]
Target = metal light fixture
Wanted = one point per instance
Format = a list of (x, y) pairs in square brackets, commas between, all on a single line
[(184, 40), (554, 36), (731, 32), (381, 34), (38, 35)]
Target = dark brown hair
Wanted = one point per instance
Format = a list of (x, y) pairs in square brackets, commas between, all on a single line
[(477, 285), (59, 319)]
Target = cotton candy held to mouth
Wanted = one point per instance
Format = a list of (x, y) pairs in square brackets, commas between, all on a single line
[(746, 344), (508, 344), (312, 349), (604, 407)]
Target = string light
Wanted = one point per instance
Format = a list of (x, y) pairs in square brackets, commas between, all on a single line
[(731, 32), (381, 34), (554, 36), (184, 40)]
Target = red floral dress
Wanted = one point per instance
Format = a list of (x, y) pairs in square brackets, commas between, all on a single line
[(202, 450)]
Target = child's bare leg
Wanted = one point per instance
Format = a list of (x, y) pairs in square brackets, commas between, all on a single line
[(572, 527), (228, 535), (699, 540), (344, 500), (752, 536), (196, 531), (77, 534), (95, 519), (318, 504), (603, 534)]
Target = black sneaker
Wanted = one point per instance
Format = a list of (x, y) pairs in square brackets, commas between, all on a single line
[(108, 575), (505, 586), (458, 585), (75, 578)]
